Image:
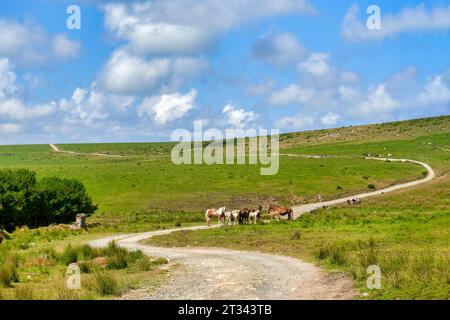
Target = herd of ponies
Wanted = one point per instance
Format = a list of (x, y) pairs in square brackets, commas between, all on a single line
[(245, 216)]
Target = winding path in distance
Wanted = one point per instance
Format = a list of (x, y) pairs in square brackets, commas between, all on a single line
[(56, 149), (215, 273), (306, 208)]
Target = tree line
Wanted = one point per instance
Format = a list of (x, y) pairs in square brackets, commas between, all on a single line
[(24, 200)]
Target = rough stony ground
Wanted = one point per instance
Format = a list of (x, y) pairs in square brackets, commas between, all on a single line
[(209, 273)]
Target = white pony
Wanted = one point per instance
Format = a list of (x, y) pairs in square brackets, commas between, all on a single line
[(255, 214), (213, 213), (231, 217)]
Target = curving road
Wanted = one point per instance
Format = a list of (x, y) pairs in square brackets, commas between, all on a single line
[(306, 208), (214, 273), (56, 149)]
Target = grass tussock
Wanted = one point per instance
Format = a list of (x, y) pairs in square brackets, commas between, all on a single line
[(106, 284), (8, 271)]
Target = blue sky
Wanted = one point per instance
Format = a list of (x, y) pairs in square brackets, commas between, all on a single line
[(136, 71)]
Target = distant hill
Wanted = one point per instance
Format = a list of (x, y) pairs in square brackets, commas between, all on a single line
[(374, 132)]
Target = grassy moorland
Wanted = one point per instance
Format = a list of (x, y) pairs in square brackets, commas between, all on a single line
[(406, 233), (34, 265)]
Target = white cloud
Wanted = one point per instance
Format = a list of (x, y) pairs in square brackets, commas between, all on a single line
[(437, 90), (349, 77), (90, 105), (28, 44), (64, 48), (238, 117), (378, 102), (408, 20), (180, 27), (330, 119), (10, 128), (291, 94), (11, 106), (261, 88), (317, 65), (167, 107), (279, 50), (15, 109), (297, 122), (129, 74), (7, 79)]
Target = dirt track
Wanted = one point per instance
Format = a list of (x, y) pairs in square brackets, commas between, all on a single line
[(56, 149), (302, 209), (210, 273), (214, 273)]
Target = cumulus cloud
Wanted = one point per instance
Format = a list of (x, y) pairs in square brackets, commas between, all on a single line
[(408, 20), (11, 106), (279, 50), (317, 65), (129, 74), (164, 27), (7, 79), (330, 119), (15, 109), (297, 122), (90, 105), (437, 90), (238, 117), (64, 48), (167, 107), (28, 44), (290, 94), (343, 96)]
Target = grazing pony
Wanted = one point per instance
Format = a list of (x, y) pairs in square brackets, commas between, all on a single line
[(277, 211), (243, 216), (235, 214), (213, 213), (255, 214), (230, 218)]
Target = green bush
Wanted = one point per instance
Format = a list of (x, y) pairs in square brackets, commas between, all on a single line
[(69, 255), (26, 201), (371, 186), (8, 271), (106, 284)]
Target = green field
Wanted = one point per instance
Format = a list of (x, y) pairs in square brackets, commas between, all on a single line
[(407, 233)]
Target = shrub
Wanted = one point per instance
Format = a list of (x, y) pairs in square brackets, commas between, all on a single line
[(84, 267), (69, 255), (26, 201), (177, 224), (106, 284), (144, 264), (8, 271), (371, 186), (147, 264)]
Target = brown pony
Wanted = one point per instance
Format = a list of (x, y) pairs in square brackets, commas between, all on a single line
[(243, 216), (277, 211), (215, 213)]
